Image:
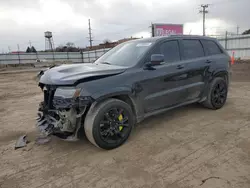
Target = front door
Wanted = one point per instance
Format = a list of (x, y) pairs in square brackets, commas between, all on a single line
[(163, 87)]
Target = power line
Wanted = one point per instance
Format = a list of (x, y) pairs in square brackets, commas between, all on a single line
[(204, 12)]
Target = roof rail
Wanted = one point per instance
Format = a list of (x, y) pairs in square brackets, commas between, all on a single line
[(200, 36)]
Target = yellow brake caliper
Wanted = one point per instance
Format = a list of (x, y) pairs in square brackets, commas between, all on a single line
[(120, 118)]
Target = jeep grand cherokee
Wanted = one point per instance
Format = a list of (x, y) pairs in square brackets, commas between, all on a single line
[(132, 81)]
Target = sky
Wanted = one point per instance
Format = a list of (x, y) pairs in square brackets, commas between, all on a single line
[(23, 22)]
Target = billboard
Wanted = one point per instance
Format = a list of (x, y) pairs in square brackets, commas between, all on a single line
[(167, 29)]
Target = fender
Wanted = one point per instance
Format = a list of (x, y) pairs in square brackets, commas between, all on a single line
[(118, 91), (107, 93), (220, 73), (215, 73)]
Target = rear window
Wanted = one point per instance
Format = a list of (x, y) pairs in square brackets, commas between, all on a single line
[(192, 49), (211, 47)]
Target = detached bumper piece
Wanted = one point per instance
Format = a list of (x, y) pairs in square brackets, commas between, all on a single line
[(48, 125), (21, 142), (45, 123)]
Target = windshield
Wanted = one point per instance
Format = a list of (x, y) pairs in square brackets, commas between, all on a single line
[(125, 54)]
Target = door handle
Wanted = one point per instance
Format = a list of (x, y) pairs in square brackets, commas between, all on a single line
[(208, 61), (180, 66)]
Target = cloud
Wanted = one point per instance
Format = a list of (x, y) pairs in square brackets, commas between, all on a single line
[(54, 13), (20, 4), (26, 20)]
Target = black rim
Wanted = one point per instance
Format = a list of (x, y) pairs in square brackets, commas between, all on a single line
[(219, 94), (114, 125)]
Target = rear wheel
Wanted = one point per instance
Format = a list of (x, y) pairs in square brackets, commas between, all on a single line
[(109, 124), (217, 94)]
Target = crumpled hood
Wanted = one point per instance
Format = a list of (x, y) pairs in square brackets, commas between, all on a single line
[(69, 74)]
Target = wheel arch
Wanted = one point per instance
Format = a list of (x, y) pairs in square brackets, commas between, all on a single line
[(222, 74), (127, 99), (219, 73), (124, 94)]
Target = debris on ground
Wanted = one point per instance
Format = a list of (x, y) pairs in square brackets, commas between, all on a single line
[(40, 140), (21, 142), (214, 177)]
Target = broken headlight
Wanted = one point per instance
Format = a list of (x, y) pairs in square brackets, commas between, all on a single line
[(68, 92), (70, 97)]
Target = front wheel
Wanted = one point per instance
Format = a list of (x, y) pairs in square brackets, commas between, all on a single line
[(217, 94), (108, 125)]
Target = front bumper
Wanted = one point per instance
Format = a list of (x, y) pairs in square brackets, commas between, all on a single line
[(48, 125), (61, 114), (51, 122)]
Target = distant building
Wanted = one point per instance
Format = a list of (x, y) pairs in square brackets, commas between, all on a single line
[(126, 39), (109, 44), (17, 52)]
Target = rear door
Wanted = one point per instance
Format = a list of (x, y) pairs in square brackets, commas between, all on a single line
[(197, 66), (215, 56)]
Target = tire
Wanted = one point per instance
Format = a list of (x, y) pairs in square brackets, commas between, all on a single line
[(96, 115), (210, 102)]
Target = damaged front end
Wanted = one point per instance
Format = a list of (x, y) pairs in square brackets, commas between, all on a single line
[(61, 111)]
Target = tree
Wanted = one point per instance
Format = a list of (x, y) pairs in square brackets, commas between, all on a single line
[(246, 32), (70, 47), (70, 44), (28, 50), (60, 48), (33, 49), (106, 41)]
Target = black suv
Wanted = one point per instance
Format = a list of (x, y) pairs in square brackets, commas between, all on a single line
[(132, 81)]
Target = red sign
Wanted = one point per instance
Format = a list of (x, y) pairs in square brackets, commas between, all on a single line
[(167, 29)]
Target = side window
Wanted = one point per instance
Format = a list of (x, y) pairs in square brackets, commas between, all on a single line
[(192, 49), (154, 51), (170, 50), (211, 47)]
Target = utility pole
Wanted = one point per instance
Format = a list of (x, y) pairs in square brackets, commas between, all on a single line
[(226, 40), (152, 29), (204, 12), (238, 28), (18, 50), (90, 35)]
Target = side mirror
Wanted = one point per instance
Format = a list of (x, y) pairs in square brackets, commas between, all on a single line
[(156, 59)]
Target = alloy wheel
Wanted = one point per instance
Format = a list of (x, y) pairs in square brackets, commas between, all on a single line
[(219, 94), (115, 125)]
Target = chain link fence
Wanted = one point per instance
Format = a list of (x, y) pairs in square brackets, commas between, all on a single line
[(31, 58)]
